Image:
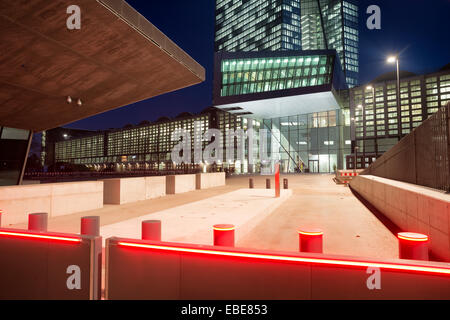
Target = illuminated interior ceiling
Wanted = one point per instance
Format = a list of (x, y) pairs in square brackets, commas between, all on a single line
[(284, 106), (117, 58)]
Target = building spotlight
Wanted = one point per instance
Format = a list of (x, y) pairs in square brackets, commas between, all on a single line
[(359, 107), (69, 99), (79, 103), (369, 87)]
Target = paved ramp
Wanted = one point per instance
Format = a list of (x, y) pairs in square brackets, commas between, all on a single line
[(192, 223)]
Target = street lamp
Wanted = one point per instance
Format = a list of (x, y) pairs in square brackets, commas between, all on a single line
[(394, 59), (356, 159)]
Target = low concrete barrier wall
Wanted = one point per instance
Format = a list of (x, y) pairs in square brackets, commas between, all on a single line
[(411, 207), (139, 270), (155, 187), (49, 266), (126, 190), (180, 183), (56, 199), (210, 180)]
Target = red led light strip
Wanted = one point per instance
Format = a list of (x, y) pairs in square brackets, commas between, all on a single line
[(291, 258), (224, 229), (417, 237), (306, 233), (39, 236)]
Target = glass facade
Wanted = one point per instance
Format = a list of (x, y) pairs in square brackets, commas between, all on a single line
[(256, 25), (13, 152), (247, 76), (316, 142), (333, 24), (146, 146), (279, 25), (379, 123)]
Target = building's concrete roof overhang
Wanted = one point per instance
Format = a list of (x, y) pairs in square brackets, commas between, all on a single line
[(115, 59), (284, 106)]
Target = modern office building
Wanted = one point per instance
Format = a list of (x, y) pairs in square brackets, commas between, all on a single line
[(147, 146), (379, 122), (299, 96), (52, 76), (290, 25)]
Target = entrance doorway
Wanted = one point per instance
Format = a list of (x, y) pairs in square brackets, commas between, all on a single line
[(313, 166)]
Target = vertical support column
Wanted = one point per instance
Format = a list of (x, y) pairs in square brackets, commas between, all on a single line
[(277, 180), (310, 240), (251, 184), (151, 230), (90, 226), (37, 222), (224, 235), (413, 246)]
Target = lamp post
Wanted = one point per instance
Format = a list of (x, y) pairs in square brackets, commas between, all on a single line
[(372, 88), (394, 59)]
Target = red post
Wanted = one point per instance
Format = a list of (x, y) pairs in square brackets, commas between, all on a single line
[(413, 246), (277, 180), (151, 230), (310, 240), (90, 226), (37, 222), (224, 235)]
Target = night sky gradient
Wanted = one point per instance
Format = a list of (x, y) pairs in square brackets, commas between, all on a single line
[(419, 29)]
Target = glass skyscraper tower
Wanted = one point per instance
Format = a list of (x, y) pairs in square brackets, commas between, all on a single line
[(282, 25)]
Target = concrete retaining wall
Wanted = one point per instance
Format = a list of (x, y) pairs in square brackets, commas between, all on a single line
[(180, 183), (155, 187), (120, 191), (411, 207), (146, 270), (210, 180), (56, 199)]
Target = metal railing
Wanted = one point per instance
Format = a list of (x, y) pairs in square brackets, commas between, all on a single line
[(422, 157)]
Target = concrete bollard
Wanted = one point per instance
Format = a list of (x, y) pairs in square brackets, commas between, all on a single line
[(310, 240), (251, 184), (413, 246), (1, 212), (224, 235), (285, 184), (90, 226), (151, 230), (38, 222), (267, 183)]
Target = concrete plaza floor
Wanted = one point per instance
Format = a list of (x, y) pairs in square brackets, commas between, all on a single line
[(316, 201)]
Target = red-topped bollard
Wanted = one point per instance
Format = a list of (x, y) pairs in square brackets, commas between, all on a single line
[(310, 240), (413, 246), (90, 226), (37, 222), (224, 235), (151, 230)]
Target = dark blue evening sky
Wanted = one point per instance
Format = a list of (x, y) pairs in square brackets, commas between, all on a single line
[(419, 29)]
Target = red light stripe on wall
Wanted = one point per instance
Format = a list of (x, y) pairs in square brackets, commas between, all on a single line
[(38, 236), (323, 261)]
